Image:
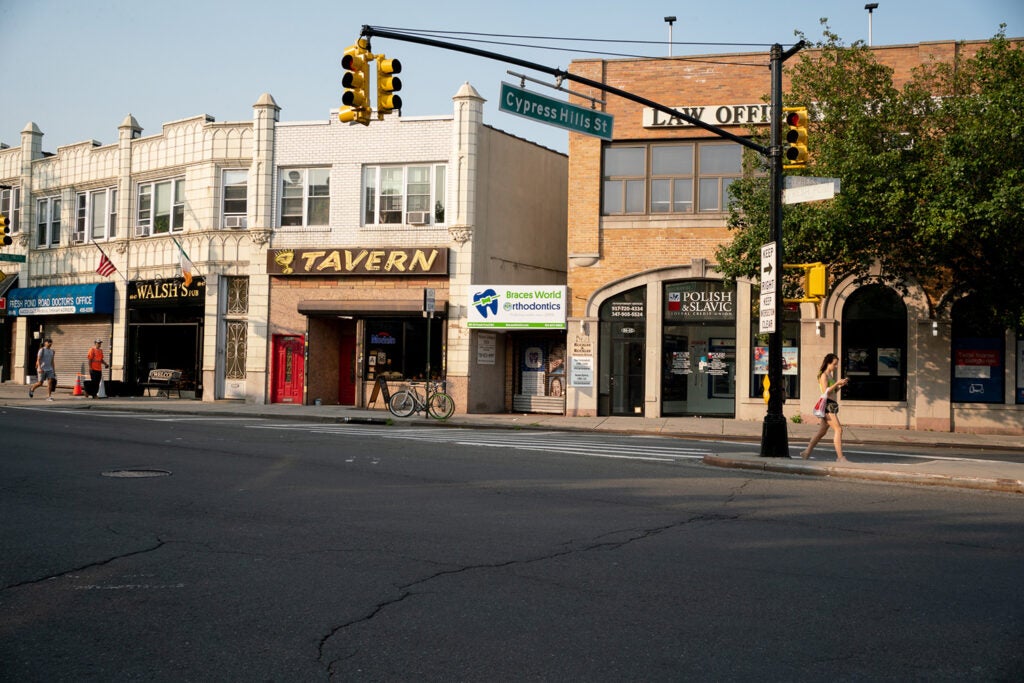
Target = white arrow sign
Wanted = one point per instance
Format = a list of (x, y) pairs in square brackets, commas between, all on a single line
[(800, 189)]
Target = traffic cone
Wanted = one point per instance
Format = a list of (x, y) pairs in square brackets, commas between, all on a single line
[(101, 392), (78, 386)]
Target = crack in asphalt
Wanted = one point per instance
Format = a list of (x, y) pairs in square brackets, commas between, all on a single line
[(99, 563), (407, 589)]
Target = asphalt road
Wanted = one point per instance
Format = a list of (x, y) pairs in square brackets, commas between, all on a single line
[(258, 550)]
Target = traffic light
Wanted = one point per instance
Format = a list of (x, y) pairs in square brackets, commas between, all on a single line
[(794, 151), (5, 231), (387, 85), (814, 281), (356, 62)]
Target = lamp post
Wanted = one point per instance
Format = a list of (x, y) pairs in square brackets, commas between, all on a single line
[(670, 20), (870, 7)]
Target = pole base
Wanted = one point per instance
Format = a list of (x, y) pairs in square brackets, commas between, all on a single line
[(774, 437)]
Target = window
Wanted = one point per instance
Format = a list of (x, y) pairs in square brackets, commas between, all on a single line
[(236, 327), (10, 206), (95, 216), (236, 194), (161, 208), (669, 178), (305, 196), (874, 354), (404, 195), (48, 222)]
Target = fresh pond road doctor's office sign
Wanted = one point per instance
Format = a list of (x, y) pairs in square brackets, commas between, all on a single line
[(517, 306)]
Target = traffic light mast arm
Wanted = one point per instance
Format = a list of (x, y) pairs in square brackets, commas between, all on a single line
[(370, 32)]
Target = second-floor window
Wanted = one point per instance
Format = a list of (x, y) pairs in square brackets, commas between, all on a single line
[(669, 178), (48, 222), (236, 197), (10, 206), (95, 215), (161, 208), (305, 196), (404, 195)]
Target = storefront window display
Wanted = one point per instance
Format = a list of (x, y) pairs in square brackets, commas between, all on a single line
[(977, 353), (397, 348), (790, 352), (699, 349), (874, 348)]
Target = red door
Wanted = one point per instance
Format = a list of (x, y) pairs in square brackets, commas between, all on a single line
[(289, 369), (347, 369)]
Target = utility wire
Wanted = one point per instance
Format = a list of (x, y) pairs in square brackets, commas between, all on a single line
[(456, 35)]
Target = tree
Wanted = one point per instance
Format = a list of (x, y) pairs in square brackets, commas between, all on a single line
[(931, 191)]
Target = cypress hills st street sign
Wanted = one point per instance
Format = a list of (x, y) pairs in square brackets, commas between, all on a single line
[(536, 107)]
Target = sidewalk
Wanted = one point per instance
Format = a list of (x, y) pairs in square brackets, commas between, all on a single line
[(987, 474)]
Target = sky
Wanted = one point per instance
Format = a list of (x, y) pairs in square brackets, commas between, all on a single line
[(77, 68)]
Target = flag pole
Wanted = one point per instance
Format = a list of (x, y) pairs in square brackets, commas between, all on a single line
[(185, 254), (116, 269)]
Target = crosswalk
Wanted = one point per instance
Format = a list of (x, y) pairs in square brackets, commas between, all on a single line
[(656, 449)]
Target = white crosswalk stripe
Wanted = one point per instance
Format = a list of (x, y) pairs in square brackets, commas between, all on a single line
[(633, 448)]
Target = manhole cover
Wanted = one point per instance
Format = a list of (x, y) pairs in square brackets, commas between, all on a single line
[(136, 473)]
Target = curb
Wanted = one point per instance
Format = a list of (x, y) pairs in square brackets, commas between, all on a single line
[(781, 465)]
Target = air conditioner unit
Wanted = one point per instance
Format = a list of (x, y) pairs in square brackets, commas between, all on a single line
[(235, 222), (78, 238), (417, 217), (142, 231)]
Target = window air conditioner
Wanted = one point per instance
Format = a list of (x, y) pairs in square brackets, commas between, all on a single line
[(417, 217), (235, 222), (78, 238), (142, 231)]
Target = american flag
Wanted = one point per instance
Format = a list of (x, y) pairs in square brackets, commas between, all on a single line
[(106, 267)]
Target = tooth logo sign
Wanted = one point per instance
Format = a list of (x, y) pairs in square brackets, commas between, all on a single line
[(486, 300)]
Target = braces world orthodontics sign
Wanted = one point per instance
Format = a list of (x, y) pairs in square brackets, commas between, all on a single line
[(516, 306)]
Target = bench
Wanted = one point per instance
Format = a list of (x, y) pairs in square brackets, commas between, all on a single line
[(163, 381)]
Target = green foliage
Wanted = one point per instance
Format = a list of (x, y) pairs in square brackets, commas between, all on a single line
[(932, 174)]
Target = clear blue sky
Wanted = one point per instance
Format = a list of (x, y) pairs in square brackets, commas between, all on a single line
[(77, 67)]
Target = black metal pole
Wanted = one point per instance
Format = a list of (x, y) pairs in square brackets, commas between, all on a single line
[(774, 435), (372, 31)]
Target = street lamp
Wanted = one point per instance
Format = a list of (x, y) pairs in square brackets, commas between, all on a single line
[(870, 7), (670, 20)]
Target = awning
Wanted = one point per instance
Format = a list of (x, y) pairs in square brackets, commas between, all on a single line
[(365, 307), (61, 300)]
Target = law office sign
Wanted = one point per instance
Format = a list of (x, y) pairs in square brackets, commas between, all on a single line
[(516, 306)]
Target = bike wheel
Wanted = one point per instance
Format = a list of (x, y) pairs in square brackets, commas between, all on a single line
[(440, 406), (402, 404)]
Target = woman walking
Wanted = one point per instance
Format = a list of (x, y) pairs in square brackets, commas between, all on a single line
[(830, 386)]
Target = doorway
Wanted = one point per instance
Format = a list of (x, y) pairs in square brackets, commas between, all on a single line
[(289, 368)]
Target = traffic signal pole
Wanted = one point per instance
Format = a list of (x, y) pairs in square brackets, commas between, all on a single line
[(774, 436)]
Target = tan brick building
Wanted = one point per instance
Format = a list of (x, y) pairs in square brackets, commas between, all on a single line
[(653, 330)]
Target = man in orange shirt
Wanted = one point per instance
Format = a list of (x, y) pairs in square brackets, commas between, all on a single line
[(96, 365)]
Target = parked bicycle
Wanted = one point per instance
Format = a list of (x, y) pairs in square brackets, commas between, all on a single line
[(409, 400)]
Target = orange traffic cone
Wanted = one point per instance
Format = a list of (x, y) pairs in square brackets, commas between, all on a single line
[(78, 386)]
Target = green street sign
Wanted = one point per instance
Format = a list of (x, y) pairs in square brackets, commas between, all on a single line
[(16, 258), (531, 105)]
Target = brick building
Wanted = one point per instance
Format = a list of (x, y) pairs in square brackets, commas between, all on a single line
[(653, 329)]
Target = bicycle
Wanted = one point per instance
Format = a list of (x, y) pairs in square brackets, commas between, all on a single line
[(407, 401)]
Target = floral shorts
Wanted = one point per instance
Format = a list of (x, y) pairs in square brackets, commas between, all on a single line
[(831, 407)]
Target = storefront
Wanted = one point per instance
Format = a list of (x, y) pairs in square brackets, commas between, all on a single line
[(533, 318), (73, 316), (165, 330), (342, 318)]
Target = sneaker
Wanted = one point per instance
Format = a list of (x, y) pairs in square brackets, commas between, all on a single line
[(30, 395), (49, 398)]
